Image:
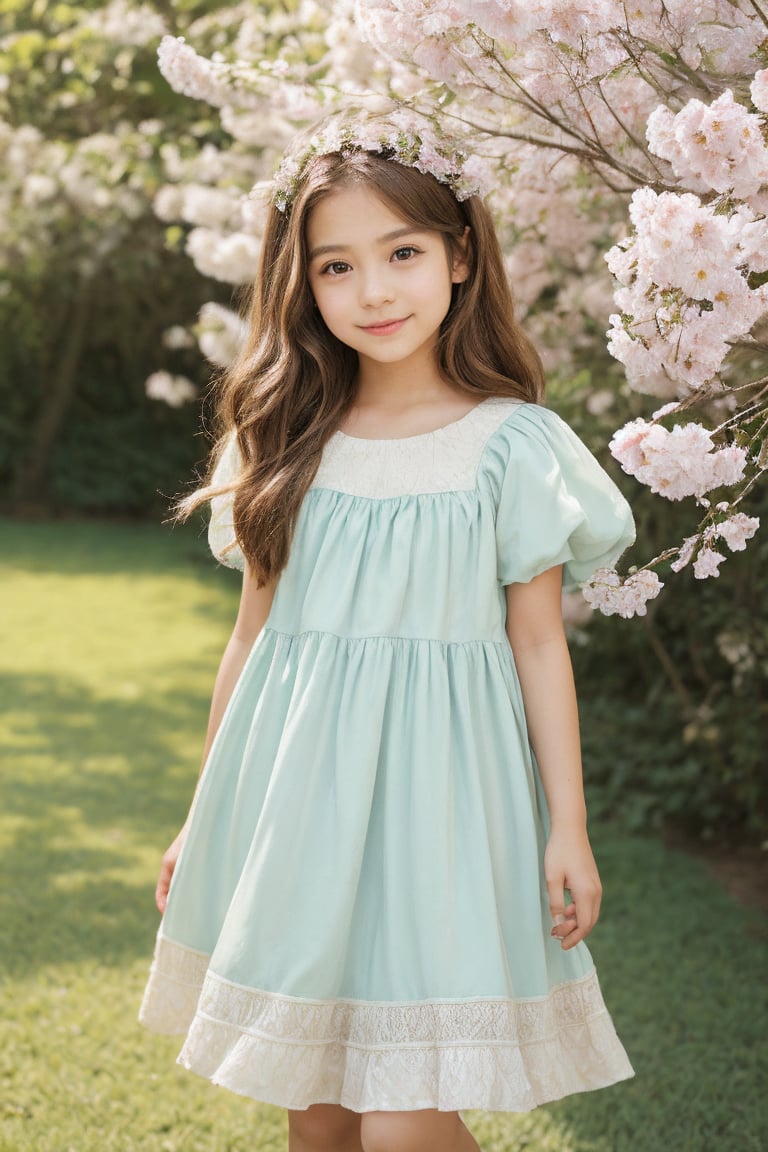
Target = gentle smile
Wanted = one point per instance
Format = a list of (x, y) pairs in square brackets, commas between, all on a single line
[(386, 328)]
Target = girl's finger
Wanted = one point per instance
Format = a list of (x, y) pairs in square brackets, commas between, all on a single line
[(565, 924), (163, 883), (587, 911), (556, 893)]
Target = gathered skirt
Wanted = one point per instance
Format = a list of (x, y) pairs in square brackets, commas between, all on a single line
[(359, 913)]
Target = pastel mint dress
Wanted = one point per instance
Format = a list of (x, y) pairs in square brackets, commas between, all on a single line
[(359, 913)]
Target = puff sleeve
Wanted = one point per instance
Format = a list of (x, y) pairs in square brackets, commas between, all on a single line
[(555, 503), (221, 530)]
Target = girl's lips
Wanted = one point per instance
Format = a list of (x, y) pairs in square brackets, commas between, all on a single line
[(385, 329)]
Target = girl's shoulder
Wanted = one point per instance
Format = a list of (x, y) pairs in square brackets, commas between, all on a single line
[(554, 502), (529, 437), (522, 419), (221, 528)]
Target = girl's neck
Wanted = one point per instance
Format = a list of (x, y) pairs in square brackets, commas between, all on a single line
[(400, 403), (402, 386)]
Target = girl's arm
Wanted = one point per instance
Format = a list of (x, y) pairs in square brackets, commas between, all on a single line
[(537, 637), (255, 604)]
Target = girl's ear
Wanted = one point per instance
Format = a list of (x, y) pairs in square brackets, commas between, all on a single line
[(461, 260)]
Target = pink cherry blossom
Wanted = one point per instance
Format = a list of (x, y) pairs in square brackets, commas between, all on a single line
[(737, 529), (627, 445), (758, 90), (679, 463), (707, 563), (437, 58), (718, 146), (614, 596), (685, 553), (683, 291), (584, 75)]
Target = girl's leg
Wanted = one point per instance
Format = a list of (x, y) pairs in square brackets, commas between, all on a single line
[(324, 1128), (424, 1130)]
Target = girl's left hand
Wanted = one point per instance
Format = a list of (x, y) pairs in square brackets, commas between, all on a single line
[(569, 864)]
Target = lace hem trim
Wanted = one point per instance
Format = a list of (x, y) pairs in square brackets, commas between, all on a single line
[(491, 1054)]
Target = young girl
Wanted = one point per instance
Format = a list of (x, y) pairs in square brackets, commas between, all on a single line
[(379, 899)]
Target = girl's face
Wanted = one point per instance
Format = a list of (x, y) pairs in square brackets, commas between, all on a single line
[(382, 286)]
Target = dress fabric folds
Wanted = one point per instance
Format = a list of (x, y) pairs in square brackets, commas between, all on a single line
[(359, 913)]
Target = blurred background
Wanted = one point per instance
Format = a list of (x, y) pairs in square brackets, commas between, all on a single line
[(124, 243)]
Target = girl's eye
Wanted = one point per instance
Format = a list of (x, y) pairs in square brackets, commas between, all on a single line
[(400, 255), (335, 268)]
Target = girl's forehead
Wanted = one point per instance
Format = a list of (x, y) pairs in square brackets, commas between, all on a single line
[(350, 213)]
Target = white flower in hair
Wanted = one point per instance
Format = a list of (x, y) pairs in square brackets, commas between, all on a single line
[(402, 136)]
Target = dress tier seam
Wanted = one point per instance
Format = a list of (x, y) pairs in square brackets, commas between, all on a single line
[(386, 636), (403, 495), (571, 984)]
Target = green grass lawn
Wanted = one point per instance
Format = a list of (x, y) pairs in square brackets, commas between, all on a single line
[(110, 638)]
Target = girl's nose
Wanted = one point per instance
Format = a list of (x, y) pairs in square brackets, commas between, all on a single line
[(375, 290)]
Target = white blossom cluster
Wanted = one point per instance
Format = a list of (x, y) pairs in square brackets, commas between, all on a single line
[(209, 190), (220, 334), (125, 22), (736, 648), (98, 181), (177, 337), (264, 93), (193, 75), (175, 391)]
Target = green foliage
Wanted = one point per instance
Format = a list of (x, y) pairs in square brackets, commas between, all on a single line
[(675, 704), (69, 77), (110, 642), (117, 450), (90, 276)]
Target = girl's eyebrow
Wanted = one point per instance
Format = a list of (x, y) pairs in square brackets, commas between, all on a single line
[(324, 249)]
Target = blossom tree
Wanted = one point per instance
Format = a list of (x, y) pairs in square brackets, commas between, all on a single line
[(588, 112), (269, 71), (666, 103), (84, 116)]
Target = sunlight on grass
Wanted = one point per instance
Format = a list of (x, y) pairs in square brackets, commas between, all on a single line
[(110, 639)]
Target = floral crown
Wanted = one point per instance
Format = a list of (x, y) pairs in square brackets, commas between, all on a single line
[(401, 136)]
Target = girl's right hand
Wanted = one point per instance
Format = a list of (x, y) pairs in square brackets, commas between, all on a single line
[(569, 864), (166, 870)]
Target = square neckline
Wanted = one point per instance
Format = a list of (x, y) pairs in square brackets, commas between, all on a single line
[(417, 435)]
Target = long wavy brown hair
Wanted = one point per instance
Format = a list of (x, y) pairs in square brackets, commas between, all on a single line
[(294, 381)]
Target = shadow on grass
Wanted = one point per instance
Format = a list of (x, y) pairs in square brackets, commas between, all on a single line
[(683, 973), (73, 547), (96, 787), (93, 787)]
